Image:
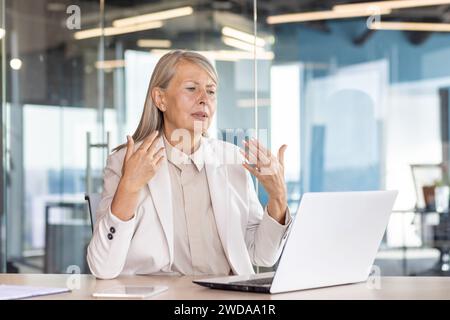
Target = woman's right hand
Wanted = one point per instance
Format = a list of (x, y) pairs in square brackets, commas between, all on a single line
[(140, 166)]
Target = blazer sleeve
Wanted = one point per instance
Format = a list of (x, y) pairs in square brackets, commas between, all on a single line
[(108, 248), (265, 237)]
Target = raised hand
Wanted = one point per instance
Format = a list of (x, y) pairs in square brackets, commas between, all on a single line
[(139, 166), (269, 170)]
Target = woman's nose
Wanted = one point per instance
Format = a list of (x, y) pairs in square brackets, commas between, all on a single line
[(203, 97)]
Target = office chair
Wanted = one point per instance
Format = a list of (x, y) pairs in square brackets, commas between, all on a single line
[(93, 200)]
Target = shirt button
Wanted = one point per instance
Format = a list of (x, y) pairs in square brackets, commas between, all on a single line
[(112, 230), (110, 236)]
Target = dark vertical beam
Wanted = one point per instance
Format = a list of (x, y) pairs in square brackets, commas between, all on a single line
[(2, 144), (15, 187), (14, 192), (444, 119)]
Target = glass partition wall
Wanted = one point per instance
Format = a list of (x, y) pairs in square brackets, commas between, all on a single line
[(76, 76), (358, 93), (371, 96), (54, 100)]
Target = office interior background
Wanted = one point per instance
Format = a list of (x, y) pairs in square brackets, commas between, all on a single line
[(359, 94)]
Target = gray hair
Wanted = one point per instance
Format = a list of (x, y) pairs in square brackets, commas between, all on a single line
[(152, 118)]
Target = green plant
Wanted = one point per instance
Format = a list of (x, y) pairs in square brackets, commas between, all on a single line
[(442, 182)]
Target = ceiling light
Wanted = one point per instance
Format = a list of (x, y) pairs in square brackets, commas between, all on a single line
[(89, 33), (15, 63), (154, 43), (227, 55), (110, 64), (323, 15), (111, 31), (2, 33), (410, 26), (243, 36), (240, 44), (155, 16), (55, 6), (395, 4)]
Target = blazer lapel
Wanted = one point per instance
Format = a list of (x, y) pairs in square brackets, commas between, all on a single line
[(161, 193)]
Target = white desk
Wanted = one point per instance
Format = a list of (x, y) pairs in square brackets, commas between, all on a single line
[(183, 288)]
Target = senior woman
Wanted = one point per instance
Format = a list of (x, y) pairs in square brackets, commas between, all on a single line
[(184, 207)]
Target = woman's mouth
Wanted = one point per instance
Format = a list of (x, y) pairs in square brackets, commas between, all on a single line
[(201, 116)]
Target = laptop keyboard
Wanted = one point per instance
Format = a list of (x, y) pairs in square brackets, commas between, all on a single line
[(258, 282)]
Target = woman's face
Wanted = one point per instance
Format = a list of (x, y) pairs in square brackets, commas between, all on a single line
[(189, 99)]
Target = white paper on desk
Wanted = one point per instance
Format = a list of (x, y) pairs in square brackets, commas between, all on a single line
[(9, 292)]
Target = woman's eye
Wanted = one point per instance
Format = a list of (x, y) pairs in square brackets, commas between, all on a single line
[(211, 92), (191, 88)]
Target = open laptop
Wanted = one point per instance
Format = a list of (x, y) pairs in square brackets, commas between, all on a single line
[(334, 240)]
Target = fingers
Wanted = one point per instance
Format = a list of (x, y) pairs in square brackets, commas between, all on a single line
[(260, 146), (130, 148), (159, 160), (152, 149), (261, 156), (158, 155), (266, 163), (250, 157), (281, 154), (148, 141), (251, 169)]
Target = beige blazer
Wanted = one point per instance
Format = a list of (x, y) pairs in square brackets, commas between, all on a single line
[(144, 244)]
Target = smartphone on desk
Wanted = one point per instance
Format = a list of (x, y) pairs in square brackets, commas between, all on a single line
[(129, 291)]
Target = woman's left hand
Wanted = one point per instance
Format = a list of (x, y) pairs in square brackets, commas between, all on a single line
[(269, 170)]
